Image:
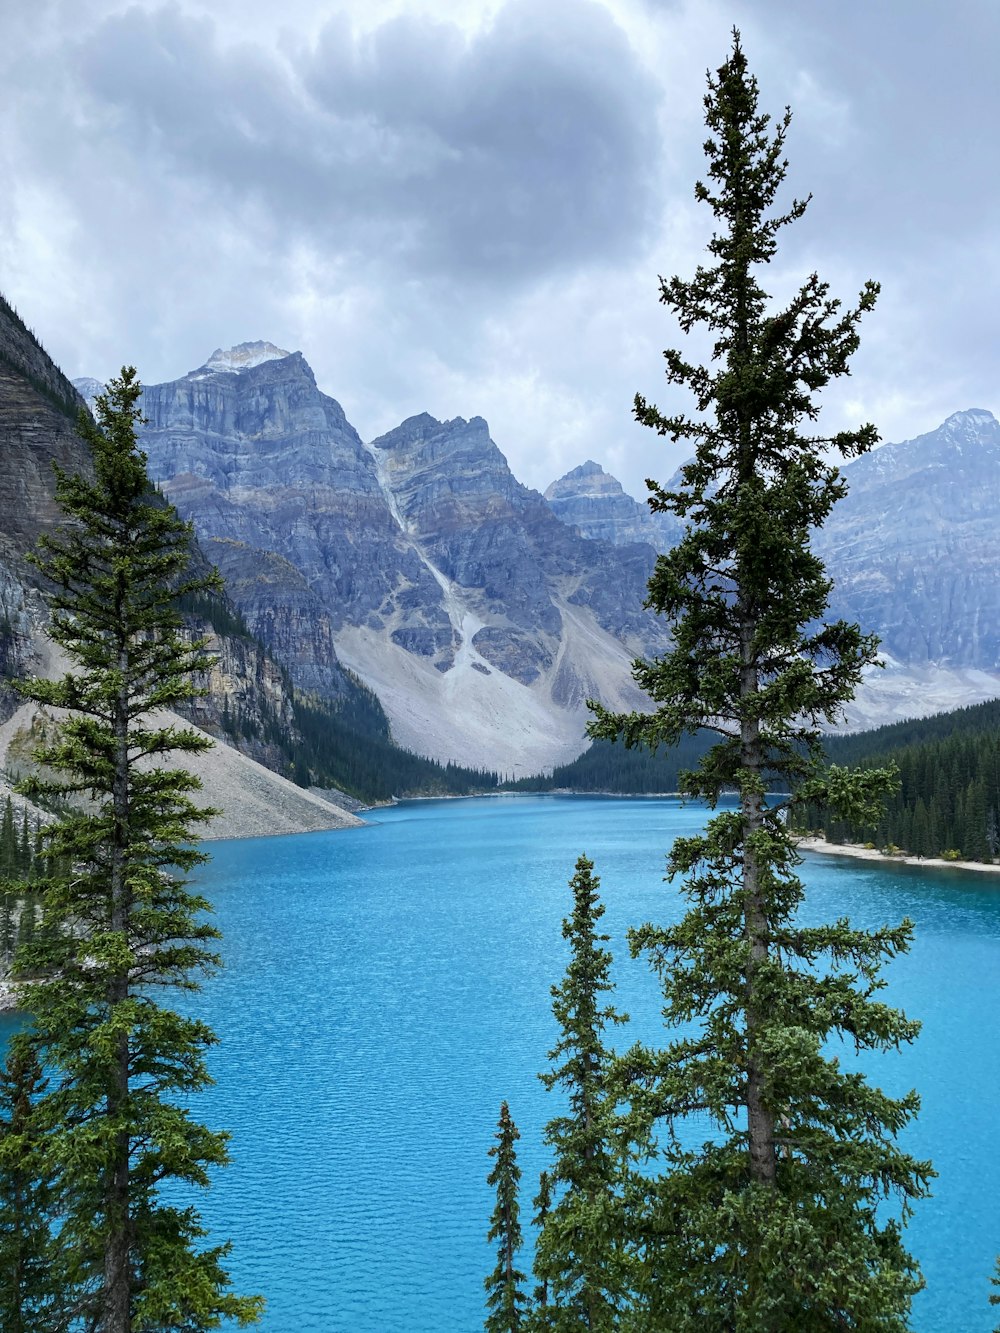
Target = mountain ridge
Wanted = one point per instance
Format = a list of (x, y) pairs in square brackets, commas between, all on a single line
[(483, 613), (481, 621), (912, 554)]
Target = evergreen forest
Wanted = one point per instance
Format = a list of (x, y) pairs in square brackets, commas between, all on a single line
[(947, 803), (606, 766)]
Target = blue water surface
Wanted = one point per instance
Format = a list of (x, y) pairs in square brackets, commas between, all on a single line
[(386, 987)]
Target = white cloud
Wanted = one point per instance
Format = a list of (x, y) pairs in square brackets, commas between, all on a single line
[(462, 207)]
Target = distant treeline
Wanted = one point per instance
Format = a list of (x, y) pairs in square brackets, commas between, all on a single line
[(22, 869), (610, 767), (948, 802)]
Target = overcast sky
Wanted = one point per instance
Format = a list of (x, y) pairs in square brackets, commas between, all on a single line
[(462, 206)]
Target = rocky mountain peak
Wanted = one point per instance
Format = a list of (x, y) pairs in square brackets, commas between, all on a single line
[(88, 388), (244, 356), (971, 424), (423, 428), (911, 547), (408, 432), (966, 446), (589, 479), (592, 501)]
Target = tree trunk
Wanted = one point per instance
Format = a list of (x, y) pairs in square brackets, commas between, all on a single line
[(760, 1117), (117, 1293)]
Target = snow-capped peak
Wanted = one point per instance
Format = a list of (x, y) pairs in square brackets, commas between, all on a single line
[(970, 419), (244, 356)]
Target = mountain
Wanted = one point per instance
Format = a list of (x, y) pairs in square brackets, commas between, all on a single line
[(285, 496), (38, 414), (592, 501), (913, 554), (418, 561), (482, 614), (38, 408)]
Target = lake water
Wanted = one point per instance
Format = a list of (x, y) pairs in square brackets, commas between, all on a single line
[(386, 987)]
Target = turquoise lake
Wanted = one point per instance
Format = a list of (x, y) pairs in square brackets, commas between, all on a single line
[(386, 987)]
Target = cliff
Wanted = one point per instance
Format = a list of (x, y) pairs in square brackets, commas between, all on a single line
[(38, 414), (419, 561)]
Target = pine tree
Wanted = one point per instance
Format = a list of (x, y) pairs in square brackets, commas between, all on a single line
[(543, 1206), (580, 1256), (27, 922), (123, 1064), (35, 1296), (772, 1224), (7, 932), (974, 844), (8, 841), (921, 841), (24, 848), (505, 1299)]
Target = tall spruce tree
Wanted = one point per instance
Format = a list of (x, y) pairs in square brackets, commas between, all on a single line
[(505, 1299), (24, 848), (122, 929), (580, 1258), (774, 1223)]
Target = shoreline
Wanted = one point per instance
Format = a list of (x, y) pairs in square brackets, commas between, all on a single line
[(539, 791), (858, 853)]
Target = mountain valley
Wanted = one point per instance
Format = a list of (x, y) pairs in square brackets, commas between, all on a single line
[(481, 614)]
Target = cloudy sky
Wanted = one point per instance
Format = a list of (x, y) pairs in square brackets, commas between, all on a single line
[(462, 206)]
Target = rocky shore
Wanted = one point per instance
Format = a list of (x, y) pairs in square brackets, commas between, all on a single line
[(899, 858)]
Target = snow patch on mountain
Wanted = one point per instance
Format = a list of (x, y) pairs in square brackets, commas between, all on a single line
[(244, 356)]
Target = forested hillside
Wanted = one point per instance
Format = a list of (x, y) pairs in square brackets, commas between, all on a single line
[(349, 747), (343, 743), (947, 804), (609, 767), (948, 801)]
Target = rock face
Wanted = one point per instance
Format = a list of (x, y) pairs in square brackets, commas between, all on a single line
[(497, 540), (286, 497), (913, 546), (593, 502), (913, 553), (38, 415), (481, 621), (38, 409)]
